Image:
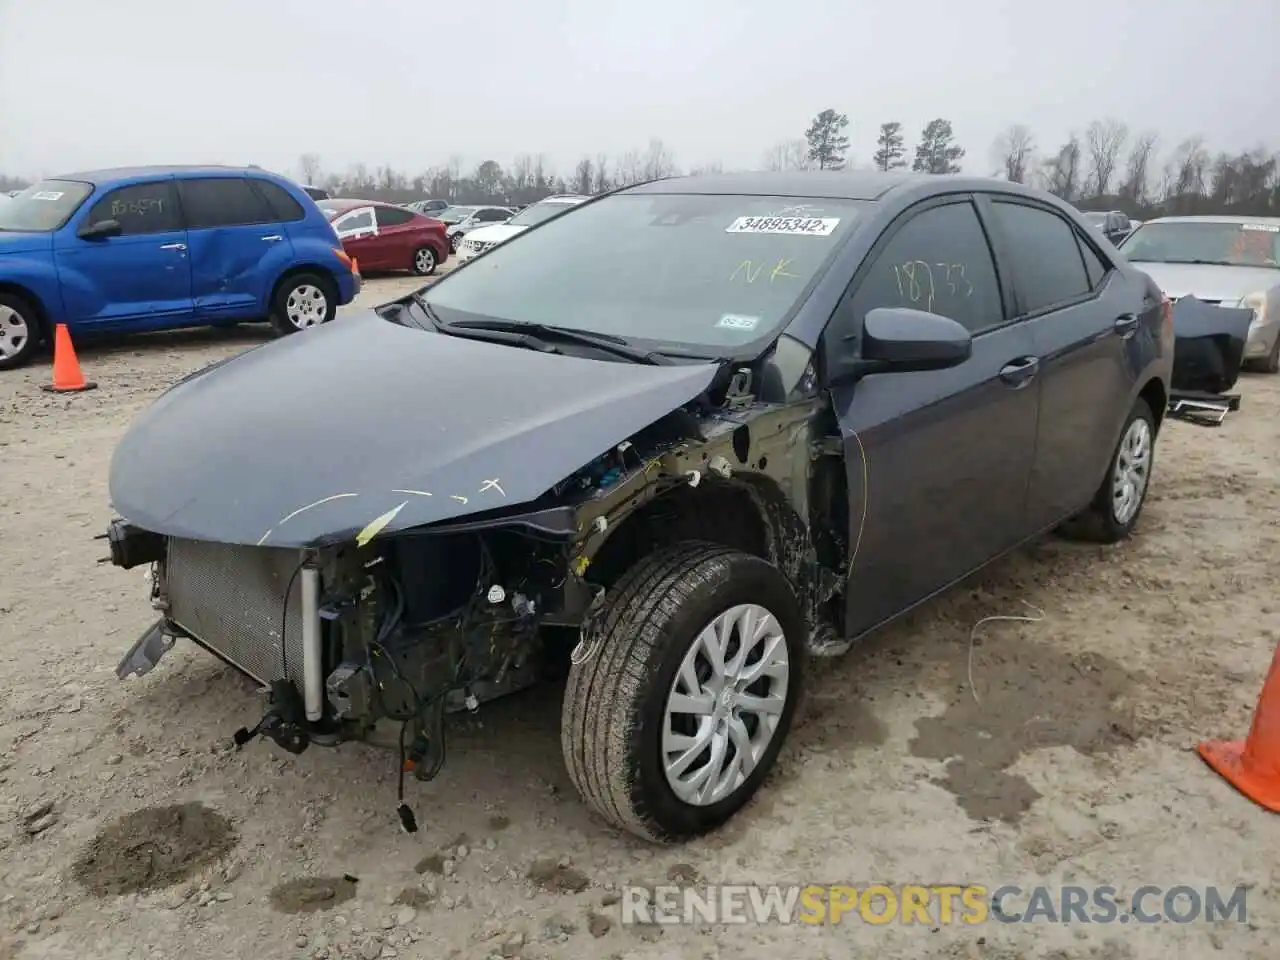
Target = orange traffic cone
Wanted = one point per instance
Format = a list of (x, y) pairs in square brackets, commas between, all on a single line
[(67, 376), (1252, 766)]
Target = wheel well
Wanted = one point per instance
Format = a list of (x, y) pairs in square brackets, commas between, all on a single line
[(715, 512), (322, 272), (42, 315), (1157, 399)]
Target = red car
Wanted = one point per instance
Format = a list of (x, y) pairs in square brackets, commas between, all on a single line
[(382, 236)]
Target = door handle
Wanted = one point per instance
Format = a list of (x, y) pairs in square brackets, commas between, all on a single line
[(273, 237), (173, 246), (1126, 325), (1018, 373)]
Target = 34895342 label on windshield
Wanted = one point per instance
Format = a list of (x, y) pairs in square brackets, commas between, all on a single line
[(804, 226), (1264, 227), (47, 195)]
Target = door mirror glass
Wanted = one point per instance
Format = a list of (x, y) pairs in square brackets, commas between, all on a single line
[(101, 230), (899, 339)]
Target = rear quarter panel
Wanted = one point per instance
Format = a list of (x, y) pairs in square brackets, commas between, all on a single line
[(316, 246)]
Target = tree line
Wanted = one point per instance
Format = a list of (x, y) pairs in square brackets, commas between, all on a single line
[(1103, 167)]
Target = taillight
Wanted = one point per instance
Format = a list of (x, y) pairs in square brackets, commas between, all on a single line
[(344, 257)]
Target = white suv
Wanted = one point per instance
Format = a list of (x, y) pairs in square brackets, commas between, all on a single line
[(478, 241)]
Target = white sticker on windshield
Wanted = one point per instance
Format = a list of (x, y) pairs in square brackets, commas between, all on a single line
[(1264, 227), (738, 321), (807, 226), (47, 195)]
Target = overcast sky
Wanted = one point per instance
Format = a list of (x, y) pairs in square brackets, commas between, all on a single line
[(89, 83)]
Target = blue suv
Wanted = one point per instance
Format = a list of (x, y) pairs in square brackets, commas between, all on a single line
[(158, 248)]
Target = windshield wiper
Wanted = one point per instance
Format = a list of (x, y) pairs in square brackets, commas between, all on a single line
[(1198, 263), (515, 338), (601, 341)]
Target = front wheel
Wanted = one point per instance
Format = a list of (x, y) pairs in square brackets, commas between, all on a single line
[(682, 691), (1114, 511), (301, 302), (454, 242), (424, 261), (19, 331)]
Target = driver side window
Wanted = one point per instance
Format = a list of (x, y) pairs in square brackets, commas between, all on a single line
[(938, 261)]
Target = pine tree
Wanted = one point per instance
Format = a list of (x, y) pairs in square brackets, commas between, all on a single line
[(827, 140), (890, 147)]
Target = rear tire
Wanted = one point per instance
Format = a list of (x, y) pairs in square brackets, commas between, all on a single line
[(21, 331), (1118, 503), (1271, 362), (424, 261), (302, 301), (645, 691)]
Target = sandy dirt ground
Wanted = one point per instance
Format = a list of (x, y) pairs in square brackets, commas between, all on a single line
[(130, 829)]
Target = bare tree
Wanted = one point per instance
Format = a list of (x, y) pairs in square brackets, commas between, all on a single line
[(583, 176), (1104, 139), (787, 155), (602, 183), (1061, 173), (309, 168), (1137, 172), (1013, 151), (541, 172), (715, 166), (521, 172), (658, 161), (629, 169)]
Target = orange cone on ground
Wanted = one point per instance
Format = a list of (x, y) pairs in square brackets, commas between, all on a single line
[(1252, 766), (67, 375)]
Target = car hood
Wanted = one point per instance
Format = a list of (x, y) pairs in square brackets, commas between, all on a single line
[(495, 234), (1210, 282), (310, 439), (23, 242)]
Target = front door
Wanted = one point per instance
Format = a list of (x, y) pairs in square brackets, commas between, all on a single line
[(358, 232), (938, 462), (238, 246), (140, 278), (1084, 318)]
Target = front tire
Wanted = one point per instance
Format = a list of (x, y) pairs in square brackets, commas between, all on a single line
[(454, 242), (1118, 503), (1271, 362), (20, 331), (303, 301), (684, 691), (424, 261)]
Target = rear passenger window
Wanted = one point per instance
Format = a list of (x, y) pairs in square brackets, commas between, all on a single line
[(1047, 265), (392, 216), (1093, 264), (221, 202), (139, 209), (939, 261), (283, 207)]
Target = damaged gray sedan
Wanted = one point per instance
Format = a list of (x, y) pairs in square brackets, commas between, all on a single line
[(671, 444)]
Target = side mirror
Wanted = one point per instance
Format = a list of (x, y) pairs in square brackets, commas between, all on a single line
[(101, 230), (898, 339)]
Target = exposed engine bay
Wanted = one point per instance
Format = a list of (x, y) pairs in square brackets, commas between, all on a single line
[(398, 630)]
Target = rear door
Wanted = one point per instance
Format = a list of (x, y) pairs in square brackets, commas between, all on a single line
[(1083, 316), (141, 278), (238, 246), (397, 236), (937, 463), (358, 231)]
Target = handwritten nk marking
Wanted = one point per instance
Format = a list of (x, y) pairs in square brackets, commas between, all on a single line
[(750, 274), (780, 270), (461, 500)]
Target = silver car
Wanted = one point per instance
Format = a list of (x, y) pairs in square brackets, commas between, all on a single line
[(1225, 260), (461, 220)]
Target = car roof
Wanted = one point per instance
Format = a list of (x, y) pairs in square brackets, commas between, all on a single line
[(350, 203), (111, 174), (1217, 218), (830, 184)]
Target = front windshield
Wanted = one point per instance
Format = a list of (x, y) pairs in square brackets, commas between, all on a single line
[(704, 271), (453, 214), (537, 213), (44, 207), (1238, 244)]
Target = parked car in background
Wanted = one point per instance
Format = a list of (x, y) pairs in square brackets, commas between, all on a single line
[(156, 248), (845, 393), (1223, 260), (429, 207), (315, 193), (461, 220), (482, 238), (1112, 224), (383, 236)]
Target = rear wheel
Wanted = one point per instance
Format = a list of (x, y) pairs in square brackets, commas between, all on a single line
[(1271, 362), (20, 331), (685, 689), (303, 301), (424, 261), (1119, 501)]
